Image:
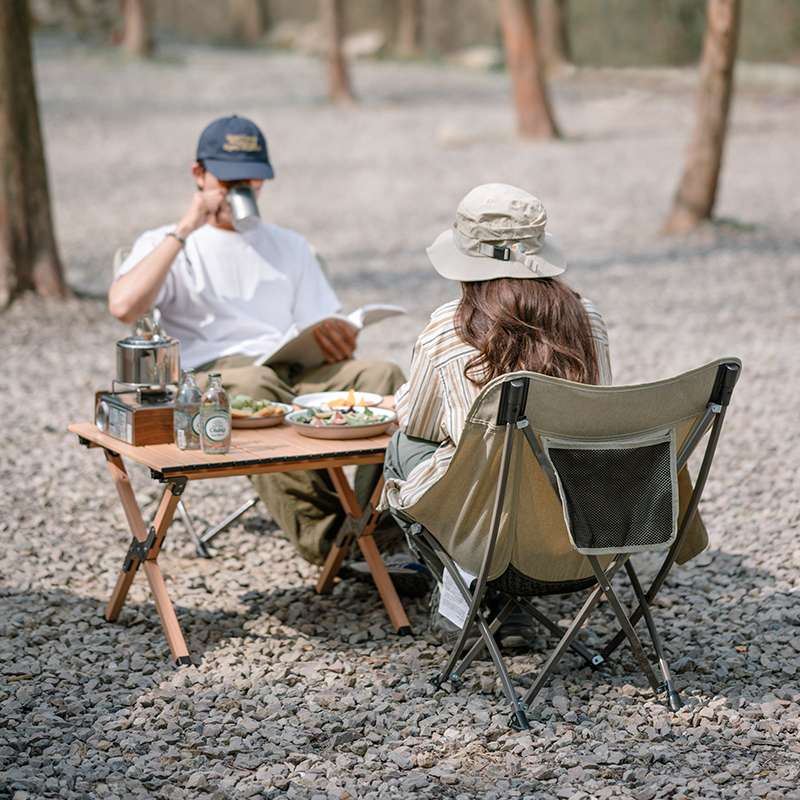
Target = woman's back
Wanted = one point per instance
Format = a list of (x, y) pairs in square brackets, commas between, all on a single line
[(434, 404)]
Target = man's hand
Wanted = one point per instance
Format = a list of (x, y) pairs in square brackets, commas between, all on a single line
[(337, 340), (206, 206)]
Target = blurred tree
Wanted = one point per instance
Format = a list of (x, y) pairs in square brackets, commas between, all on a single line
[(249, 19), (332, 14), (553, 19), (408, 27), (697, 190), (137, 37), (28, 254), (534, 115)]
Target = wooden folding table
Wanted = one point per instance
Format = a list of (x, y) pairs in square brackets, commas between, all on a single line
[(252, 452)]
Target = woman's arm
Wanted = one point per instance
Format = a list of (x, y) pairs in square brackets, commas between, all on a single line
[(600, 338), (420, 402)]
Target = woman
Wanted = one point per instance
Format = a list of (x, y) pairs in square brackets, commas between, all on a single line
[(513, 314)]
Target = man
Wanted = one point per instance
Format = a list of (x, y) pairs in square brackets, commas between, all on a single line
[(230, 297)]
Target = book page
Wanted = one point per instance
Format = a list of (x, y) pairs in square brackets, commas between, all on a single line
[(373, 312), (300, 347)]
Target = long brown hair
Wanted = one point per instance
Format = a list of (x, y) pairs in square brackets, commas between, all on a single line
[(537, 324)]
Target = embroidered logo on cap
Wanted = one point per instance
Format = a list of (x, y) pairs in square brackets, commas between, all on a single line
[(241, 143)]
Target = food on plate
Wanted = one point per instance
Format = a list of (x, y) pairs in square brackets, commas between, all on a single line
[(346, 402), (243, 406), (320, 418)]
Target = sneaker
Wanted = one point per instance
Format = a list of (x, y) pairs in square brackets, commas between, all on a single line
[(518, 631), (410, 578)]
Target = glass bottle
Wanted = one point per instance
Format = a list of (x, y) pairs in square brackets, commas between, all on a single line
[(215, 417), (186, 416)]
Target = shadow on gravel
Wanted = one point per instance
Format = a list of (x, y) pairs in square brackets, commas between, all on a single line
[(720, 618), (56, 631), (351, 615)]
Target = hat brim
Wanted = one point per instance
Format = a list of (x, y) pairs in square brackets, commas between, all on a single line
[(454, 265), (239, 170)]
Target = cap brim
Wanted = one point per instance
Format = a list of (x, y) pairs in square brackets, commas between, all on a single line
[(454, 265), (239, 170)]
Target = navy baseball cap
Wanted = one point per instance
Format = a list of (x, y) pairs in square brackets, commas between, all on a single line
[(234, 149)]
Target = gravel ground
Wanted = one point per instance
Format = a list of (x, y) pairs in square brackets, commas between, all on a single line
[(294, 695)]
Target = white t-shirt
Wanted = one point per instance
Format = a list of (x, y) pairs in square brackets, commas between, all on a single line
[(231, 293)]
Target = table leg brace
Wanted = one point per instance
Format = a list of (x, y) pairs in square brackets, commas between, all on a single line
[(360, 525), (144, 549)]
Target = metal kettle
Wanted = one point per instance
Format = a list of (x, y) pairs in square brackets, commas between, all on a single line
[(148, 357)]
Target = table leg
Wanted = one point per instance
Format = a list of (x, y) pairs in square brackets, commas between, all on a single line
[(135, 522), (340, 548), (391, 601), (166, 611), (360, 525), (144, 551)]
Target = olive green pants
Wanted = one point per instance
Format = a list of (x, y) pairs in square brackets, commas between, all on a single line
[(304, 503)]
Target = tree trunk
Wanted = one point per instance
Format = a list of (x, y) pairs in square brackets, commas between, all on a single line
[(408, 28), (697, 190), (534, 115), (137, 39), (249, 19), (332, 13), (28, 255), (552, 17)]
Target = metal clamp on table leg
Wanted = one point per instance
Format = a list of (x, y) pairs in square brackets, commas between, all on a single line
[(138, 551), (177, 485)]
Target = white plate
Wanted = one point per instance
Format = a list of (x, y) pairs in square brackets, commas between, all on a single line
[(262, 422), (387, 418), (321, 399)]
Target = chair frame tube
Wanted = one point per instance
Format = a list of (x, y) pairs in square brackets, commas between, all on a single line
[(511, 415), (691, 510)]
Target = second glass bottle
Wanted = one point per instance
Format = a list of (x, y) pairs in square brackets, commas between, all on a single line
[(215, 417)]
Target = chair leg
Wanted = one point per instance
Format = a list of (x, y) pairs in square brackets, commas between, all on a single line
[(214, 530), (188, 523), (202, 539), (571, 632), (494, 625), (688, 516), (594, 660), (673, 698), (622, 617), (519, 718)]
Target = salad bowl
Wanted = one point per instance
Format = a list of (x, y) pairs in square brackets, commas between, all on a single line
[(356, 423)]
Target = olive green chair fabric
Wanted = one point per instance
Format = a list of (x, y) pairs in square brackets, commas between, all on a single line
[(555, 485)]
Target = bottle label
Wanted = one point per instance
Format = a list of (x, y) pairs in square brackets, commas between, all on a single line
[(181, 419), (217, 427), (181, 436), (196, 423)]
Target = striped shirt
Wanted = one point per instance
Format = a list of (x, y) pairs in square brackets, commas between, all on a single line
[(435, 401)]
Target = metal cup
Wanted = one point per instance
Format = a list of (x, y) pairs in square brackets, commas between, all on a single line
[(244, 208)]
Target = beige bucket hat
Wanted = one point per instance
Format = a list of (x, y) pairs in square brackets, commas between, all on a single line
[(499, 232)]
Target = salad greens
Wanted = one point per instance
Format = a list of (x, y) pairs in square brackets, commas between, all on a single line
[(325, 418), (245, 405)]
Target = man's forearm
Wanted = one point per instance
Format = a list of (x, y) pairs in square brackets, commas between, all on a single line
[(134, 293)]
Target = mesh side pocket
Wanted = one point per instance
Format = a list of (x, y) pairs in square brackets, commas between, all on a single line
[(619, 495)]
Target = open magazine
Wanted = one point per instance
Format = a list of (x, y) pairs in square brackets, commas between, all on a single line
[(300, 346)]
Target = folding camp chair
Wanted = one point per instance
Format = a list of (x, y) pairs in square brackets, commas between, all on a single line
[(552, 488)]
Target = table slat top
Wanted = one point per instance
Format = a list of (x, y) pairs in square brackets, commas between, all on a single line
[(249, 446)]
